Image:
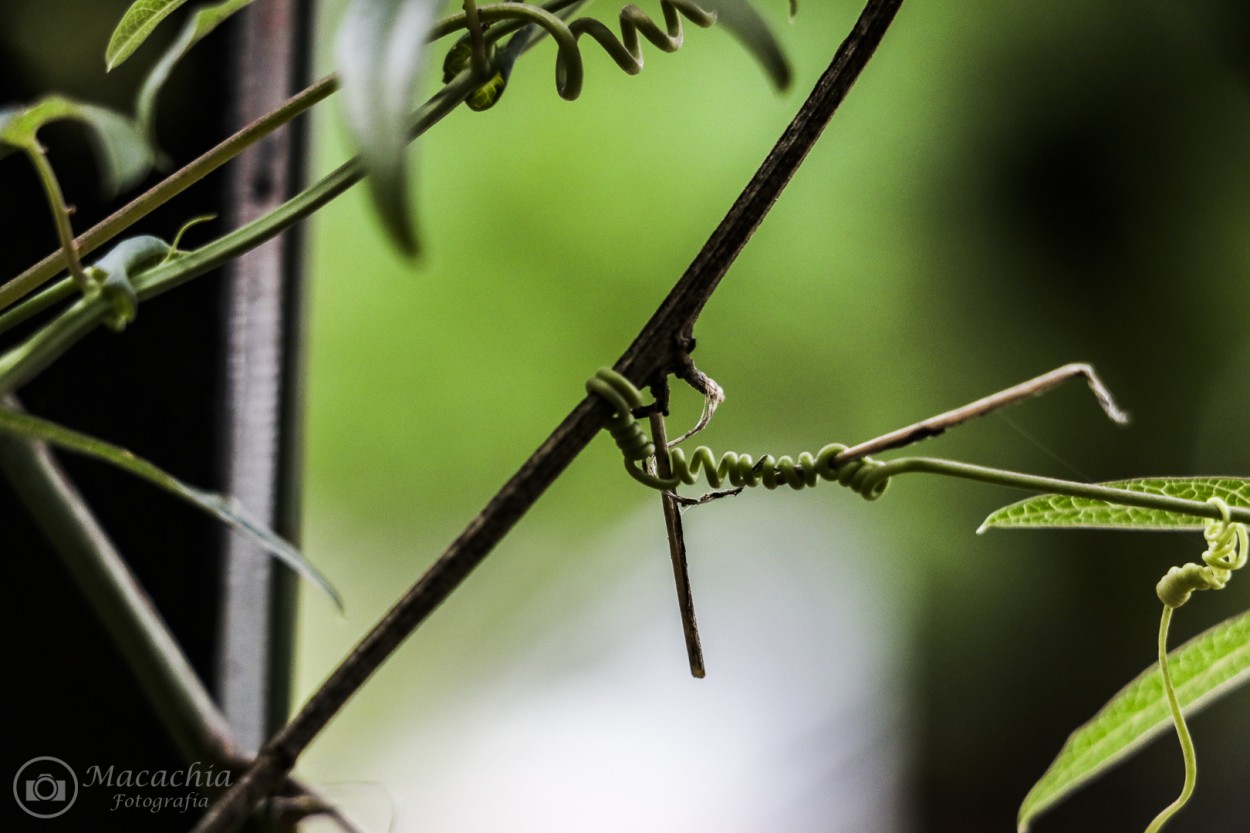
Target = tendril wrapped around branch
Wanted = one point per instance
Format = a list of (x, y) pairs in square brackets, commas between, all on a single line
[(865, 476), (1227, 550), (625, 50)]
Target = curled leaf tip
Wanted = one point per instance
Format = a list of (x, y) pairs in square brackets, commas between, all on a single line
[(379, 47)]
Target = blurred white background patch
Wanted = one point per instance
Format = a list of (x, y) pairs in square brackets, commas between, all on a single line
[(597, 725)]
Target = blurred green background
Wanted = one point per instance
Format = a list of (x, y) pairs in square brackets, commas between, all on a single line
[(1009, 187)]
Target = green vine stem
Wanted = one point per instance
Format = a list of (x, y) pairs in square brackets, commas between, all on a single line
[(29, 358), (1182, 730), (479, 62), (174, 184), (1036, 483), (60, 214), (161, 193), (508, 17), (853, 468), (1228, 550)]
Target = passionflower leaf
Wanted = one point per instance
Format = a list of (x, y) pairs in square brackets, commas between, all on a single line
[(1062, 511), (139, 21), (1204, 669), (122, 150)]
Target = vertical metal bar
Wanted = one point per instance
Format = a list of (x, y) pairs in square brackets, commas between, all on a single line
[(261, 403)]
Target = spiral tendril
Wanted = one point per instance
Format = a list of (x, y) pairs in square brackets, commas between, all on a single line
[(1227, 550), (864, 476), (625, 50)]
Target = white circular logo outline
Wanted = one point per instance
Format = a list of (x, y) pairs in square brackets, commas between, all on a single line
[(17, 796)]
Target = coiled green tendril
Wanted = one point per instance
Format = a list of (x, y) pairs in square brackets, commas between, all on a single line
[(864, 476), (1226, 551), (625, 50)]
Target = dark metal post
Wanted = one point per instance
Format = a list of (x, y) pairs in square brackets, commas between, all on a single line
[(262, 414)]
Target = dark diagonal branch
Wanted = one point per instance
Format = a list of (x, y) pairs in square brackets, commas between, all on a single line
[(660, 348), (663, 342)]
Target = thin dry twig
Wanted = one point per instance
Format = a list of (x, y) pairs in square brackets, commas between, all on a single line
[(677, 550), (713, 398), (658, 349), (708, 497), (935, 425)]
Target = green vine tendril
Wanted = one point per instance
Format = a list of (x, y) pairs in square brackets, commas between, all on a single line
[(625, 50), (1226, 551), (1228, 542), (865, 476)]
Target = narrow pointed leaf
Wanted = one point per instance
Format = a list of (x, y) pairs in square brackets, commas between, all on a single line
[(133, 29), (1052, 511), (220, 507), (204, 21), (745, 23), (1207, 667), (380, 47), (123, 152)]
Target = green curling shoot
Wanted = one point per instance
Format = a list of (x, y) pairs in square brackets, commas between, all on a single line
[(1226, 551), (625, 50), (865, 476)]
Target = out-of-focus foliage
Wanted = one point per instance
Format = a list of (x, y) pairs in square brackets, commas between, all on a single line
[(122, 153), (381, 44)]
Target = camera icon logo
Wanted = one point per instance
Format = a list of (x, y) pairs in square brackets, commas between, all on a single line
[(45, 787)]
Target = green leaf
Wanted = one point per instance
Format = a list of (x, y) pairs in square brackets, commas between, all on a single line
[(204, 21), (1207, 667), (123, 153), (220, 507), (1049, 511), (133, 29), (745, 23), (380, 46), (7, 116)]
